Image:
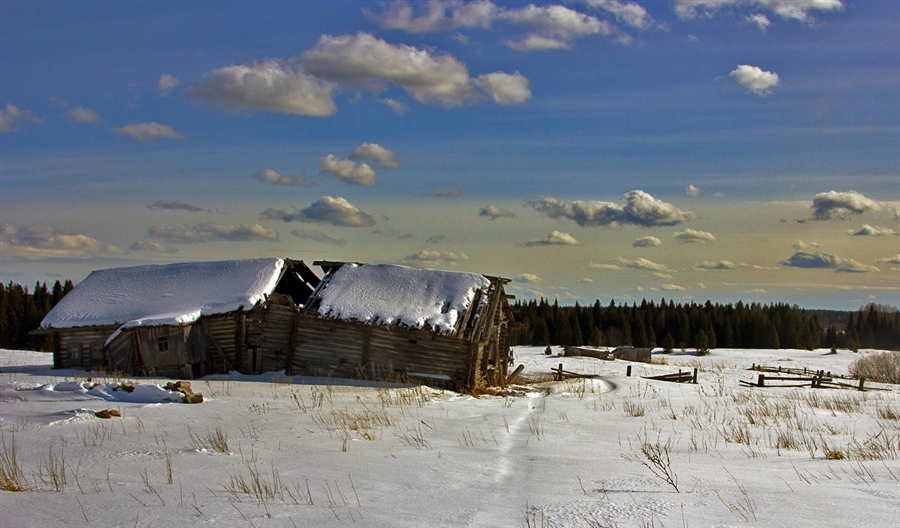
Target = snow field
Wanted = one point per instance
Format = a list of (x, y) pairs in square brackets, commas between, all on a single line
[(274, 451)]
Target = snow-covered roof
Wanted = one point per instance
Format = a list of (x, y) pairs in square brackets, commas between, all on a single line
[(388, 294), (165, 294)]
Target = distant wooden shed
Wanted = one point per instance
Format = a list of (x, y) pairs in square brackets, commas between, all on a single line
[(182, 320), (378, 321)]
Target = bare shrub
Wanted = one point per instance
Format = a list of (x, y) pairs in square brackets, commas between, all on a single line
[(655, 457), (883, 367)]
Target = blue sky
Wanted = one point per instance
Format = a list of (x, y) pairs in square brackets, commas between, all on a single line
[(502, 138)]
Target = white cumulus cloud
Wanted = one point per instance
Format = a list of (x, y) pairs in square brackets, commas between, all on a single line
[(647, 241), (493, 212), (166, 83), (833, 204), (755, 79), (371, 63), (347, 171), (691, 191), (505, 88), (373, 151), (635, 208), (822, 260), (327, 210), (528, 278), (555, 238), (694, 236), (271, 86)]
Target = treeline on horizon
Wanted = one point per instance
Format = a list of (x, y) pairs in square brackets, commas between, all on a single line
[(21, 311), (702, 326), (666, 324)]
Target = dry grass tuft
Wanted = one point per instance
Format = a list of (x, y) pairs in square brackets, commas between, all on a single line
[(11, 476)]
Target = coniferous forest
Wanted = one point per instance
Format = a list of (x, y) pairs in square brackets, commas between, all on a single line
[(650, 324), (21, 311), (703, 326)]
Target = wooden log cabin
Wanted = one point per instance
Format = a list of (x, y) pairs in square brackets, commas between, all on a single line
[(376, 321), (182, 320)]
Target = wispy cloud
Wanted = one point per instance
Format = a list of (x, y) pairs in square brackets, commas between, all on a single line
[(641, 263), (315, 236), (761, 21), (755, 79), (41, 240), (271, 176), (891, 260), (801, 10), (148, 131), (867, 230), (720, 265), (636, 208), (83, 115), (12, 118), (160, 205), (528, 278), (692, 236), (435, 257), (604, 267), (451, 192), (556, 238), (550, 26), (822, 260), (211, 232), (833, 204), (630, 13), (691, 191), (672, 287), (398, 107), (155, 247)]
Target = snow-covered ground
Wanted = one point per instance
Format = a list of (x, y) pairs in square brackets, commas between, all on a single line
[(318, 452)]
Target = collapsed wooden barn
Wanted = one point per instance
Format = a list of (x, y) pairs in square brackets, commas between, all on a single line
[(374, 321), (378, 320), (182, 320)]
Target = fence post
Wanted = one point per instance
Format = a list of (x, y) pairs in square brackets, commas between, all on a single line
[(559, 375), (628, 371), (694, 381), (862, 382), (761, 380)]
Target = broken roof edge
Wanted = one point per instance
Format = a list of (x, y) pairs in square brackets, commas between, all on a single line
[(396, 295)]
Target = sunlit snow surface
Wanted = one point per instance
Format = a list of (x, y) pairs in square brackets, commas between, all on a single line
[(165, 294), (399, 294)]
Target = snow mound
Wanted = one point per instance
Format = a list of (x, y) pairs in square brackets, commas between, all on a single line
[(388, 294), (165, 294), (84, 390)]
